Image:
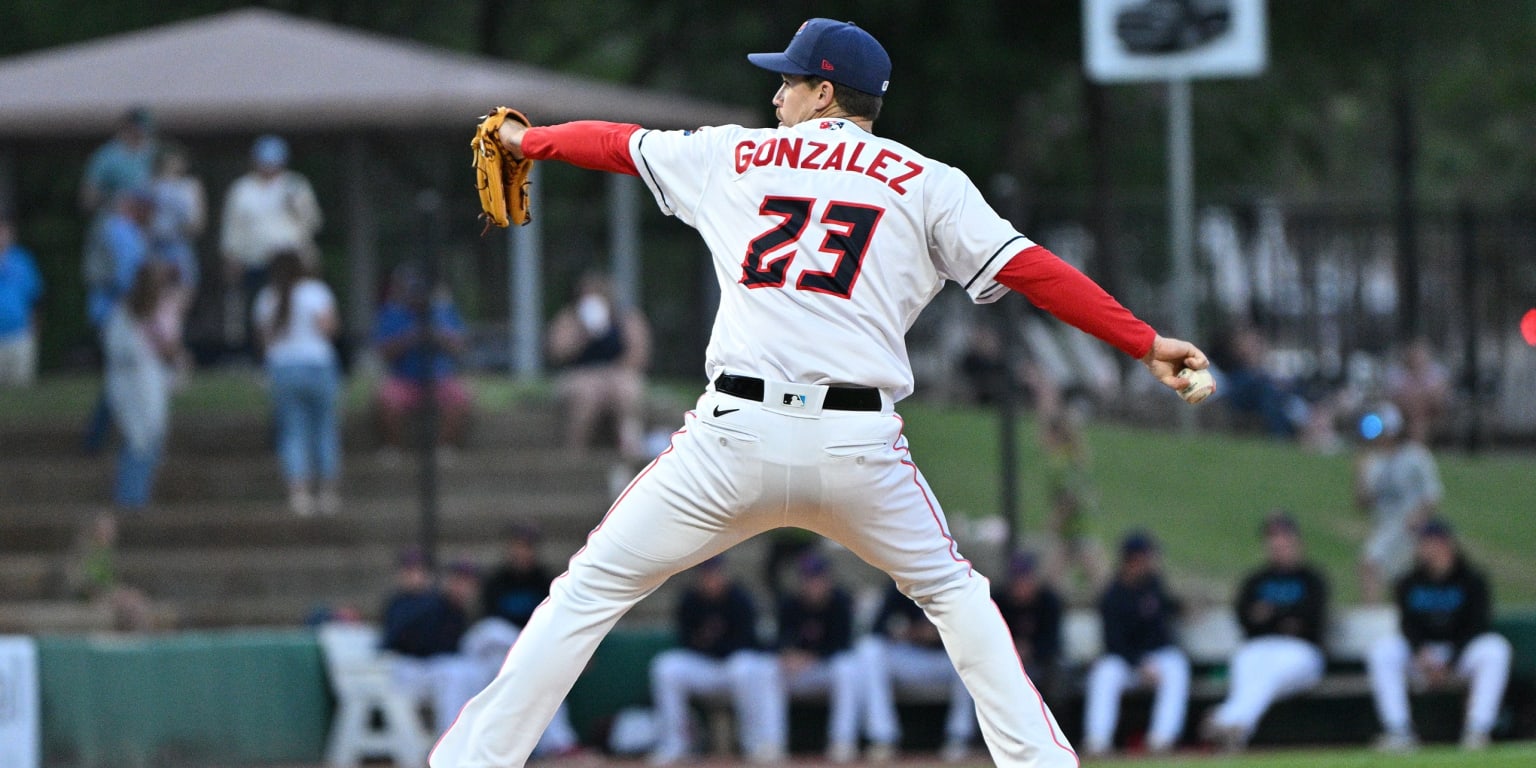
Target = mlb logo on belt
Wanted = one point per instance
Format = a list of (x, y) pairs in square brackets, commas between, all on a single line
[(794, 401)]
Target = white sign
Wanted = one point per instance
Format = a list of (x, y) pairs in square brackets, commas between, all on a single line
[(19, 715), (1149, 40)]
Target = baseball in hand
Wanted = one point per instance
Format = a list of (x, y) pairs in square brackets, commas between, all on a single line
[(1199, 385)]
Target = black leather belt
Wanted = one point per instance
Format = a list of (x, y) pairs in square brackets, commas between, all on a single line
[(837, 399)]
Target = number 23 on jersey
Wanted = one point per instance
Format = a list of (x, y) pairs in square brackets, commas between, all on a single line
[(849, 228)]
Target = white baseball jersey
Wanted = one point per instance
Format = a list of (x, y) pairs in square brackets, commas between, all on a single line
[(856, 263)]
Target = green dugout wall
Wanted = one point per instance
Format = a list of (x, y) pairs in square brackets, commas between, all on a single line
[(261, 697)]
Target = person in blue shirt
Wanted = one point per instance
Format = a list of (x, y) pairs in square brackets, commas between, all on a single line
[(125, 162), (903, 650), (404, 346), (117, 245), (422, 626), (815, 656), (21, 287), (1139, 649), (718, 653), (1445, 614), (1283, 607)]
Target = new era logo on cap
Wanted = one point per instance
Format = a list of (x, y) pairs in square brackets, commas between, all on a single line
[(836, 50)]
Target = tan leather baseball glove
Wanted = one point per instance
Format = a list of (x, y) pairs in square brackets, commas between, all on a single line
[(500, 177)]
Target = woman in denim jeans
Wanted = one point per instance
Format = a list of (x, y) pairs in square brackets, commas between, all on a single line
[(296, 320), (140, 340)]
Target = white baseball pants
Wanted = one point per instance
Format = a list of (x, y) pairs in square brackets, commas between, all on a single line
[(1264, 670), (757, 466), (745, 675), (890, 665), (839, 677), (1109, 679), (1484, 663)]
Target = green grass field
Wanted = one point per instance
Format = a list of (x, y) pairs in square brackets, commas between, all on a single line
[(1203, 494)]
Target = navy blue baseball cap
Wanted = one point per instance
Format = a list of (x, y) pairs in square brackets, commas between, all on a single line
[(812, 565), (1437, 527), (833, 50), (1137, 543), (1022, 564)]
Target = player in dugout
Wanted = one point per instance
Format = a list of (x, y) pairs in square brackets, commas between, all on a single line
[(1282, 607), (1445, 610)]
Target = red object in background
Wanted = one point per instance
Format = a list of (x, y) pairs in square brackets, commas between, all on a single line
[(1528, 327)]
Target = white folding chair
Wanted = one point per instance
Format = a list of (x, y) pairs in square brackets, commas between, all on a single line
[(360, 678)]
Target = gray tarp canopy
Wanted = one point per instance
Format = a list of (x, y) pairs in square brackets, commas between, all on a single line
[(255, 70)]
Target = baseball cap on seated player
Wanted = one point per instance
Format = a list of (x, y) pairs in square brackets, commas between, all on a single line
[(1436, 527), (1279, 521), (1022, 564), (812, 565), (1137, 543), (833, 50)]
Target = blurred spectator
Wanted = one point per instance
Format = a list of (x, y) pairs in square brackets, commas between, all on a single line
[(126, 161), (716, 626), (1282, 607), (1420, 386), (269, 210), (296, 321), (987, 375), (1398, 483), (92, 576), (903, 649), (520, 583), (1251, 390), (602, 350), (507, 600), (785, 548), (422, 626), (1445, 613), (141, 342), (180, 213), (411, 355), (116, 247), (1074, 497), (815, 648), (21, 286), (1033, 612), (1139, 649)]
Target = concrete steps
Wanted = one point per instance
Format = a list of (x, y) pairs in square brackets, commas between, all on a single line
[(231, 434), (219, 546), (187, 477)]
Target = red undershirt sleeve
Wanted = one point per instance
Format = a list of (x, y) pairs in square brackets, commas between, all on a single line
[(1057, 287), (592, 144)]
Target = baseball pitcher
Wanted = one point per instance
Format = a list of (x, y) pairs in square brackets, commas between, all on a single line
[(827, 241)]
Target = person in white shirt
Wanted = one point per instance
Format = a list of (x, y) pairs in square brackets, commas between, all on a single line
[(267, 211), (296, 321), (1398, 483)]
